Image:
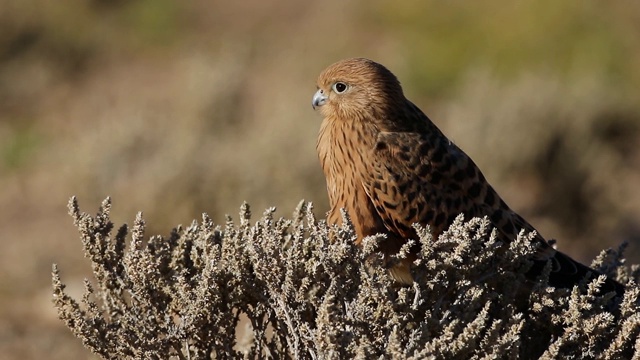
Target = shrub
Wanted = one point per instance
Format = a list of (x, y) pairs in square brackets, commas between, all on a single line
[(279, 288)]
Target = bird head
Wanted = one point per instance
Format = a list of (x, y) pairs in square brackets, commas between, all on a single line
[(356, 89)]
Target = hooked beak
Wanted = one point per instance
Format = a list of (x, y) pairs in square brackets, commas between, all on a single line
[(319, 99)]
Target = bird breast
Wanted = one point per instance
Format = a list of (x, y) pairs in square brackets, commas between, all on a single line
[(343, 151)]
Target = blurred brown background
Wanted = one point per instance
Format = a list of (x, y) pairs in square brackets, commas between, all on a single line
[(178, 108)]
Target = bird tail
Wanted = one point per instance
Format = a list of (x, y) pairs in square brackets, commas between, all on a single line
[(571, 272)]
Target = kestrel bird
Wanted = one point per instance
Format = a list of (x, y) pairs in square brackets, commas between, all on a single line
[(389, 166)]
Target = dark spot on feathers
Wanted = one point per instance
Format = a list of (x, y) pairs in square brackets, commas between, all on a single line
[(509, 228), (428, 216), (459, 176), (454, 187), (423, 170), (424, 147), (445, 166), (496, 217), (411, 215), (389, 205), (474, 190), (436, 178), (437, 155), (489, 199), (381, 145), (471, 170)]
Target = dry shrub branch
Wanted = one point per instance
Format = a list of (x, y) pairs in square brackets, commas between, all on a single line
[(280, 288)]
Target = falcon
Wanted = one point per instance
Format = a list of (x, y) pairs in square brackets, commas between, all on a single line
[(389, 166)]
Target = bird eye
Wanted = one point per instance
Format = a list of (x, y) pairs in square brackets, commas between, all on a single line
[(340, 87)]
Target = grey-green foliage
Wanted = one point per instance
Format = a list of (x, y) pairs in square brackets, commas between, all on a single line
[(298, 288)]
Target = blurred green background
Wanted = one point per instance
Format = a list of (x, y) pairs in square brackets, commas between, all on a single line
[(178, 108)]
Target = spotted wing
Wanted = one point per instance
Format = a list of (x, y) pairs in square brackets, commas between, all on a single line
[(420, 177)]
